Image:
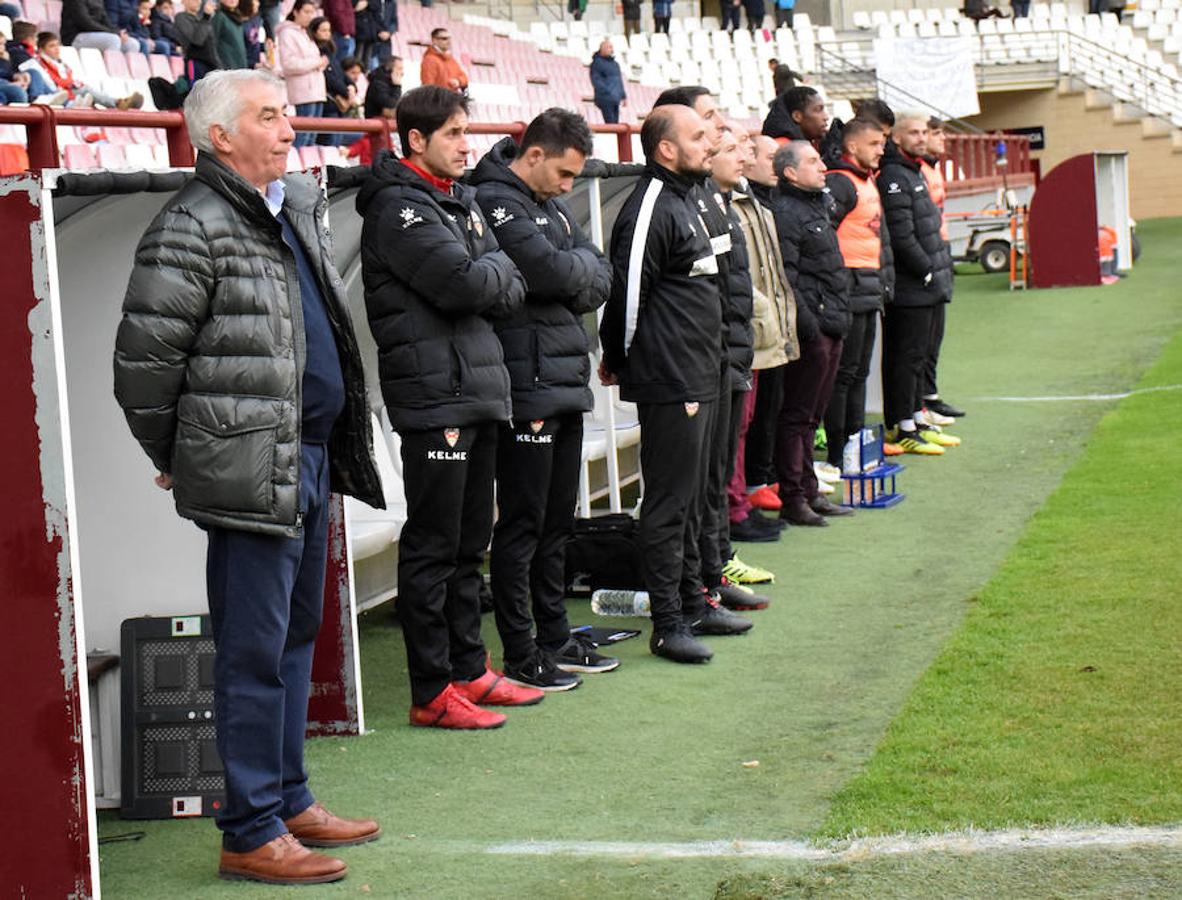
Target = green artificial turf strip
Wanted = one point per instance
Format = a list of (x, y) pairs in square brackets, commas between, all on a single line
[(655, 751), (1058, 701)]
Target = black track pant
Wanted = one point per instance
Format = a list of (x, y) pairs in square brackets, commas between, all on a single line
[(906, 331), (847, 407), (537, 489), (935, 339), (673, 444), (449, 506), (808, 385), (761, 434), (703, 562)]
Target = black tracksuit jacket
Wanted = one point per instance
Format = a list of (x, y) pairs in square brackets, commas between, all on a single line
[(434, 280), (545, 344), (813, 261), (913, 221), (671, 294)]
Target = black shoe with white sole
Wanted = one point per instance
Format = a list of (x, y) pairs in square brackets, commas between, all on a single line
[(540, 671), (582, 655), (945, 409), (678, 644)]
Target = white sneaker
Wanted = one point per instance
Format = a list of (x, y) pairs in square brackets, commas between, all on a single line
[(58, 98), (826, 472), (824, 487), (934, 418)]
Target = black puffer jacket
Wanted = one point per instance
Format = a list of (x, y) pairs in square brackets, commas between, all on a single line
[(434, 280), (209, 356), (82, 16), (662, 324), (740, 302), (545, 343), (866, 284), (914, 225), (887, 269), (779, 122), (813, 262)]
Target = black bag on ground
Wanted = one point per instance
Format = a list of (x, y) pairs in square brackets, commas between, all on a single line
[(602, 552)]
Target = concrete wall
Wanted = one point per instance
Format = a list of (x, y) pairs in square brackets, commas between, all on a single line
[(1155, 170)]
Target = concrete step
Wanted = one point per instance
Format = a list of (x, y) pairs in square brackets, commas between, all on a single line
[(1094, 98), (1153, 127), (1127, 114)]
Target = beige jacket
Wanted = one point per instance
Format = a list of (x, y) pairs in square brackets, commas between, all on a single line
[(774, 312)]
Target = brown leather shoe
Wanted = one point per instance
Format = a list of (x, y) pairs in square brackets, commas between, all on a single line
[(317, 827), (281, 861)]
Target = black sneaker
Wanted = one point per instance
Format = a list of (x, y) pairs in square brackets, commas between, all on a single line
[(580, 655), (539, 671), (752, 531), (734, 596), (714, 619), (678, 644), (764, 521), (945, 409)]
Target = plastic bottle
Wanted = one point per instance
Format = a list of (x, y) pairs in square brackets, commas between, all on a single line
[(619, 603), (851, 455)]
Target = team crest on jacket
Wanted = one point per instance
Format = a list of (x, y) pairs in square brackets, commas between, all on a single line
[(718, 199), (691, 409), (451, 435), (537, 425), (477, 223), (501, 216), (409, 217), (893, 187)]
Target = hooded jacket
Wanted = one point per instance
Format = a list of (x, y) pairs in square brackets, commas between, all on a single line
[(434, 279), (545, 344), (914, 225), (859, 232), (740, 300), (779, 123), (773, 310), (606, 80), (813, 262), (209, 355), (661, 326)]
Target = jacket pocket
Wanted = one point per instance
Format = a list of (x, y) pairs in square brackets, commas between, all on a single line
[(224, 453)]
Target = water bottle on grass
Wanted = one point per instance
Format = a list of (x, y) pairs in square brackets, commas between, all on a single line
[(619, 603)]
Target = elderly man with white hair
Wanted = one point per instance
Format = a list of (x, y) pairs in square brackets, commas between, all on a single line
[(238, 371)]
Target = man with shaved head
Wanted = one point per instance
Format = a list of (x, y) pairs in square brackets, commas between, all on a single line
[(661, 343)]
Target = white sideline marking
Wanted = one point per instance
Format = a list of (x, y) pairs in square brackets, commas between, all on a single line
[(1111, 837), (1072, 397)]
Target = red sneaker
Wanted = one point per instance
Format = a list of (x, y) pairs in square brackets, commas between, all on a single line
[(493, 689), (451, 709), (765, 498)]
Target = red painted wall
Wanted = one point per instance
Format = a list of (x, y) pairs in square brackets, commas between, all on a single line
[(44, 846)]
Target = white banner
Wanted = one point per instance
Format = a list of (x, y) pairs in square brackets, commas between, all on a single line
[(932, 75)]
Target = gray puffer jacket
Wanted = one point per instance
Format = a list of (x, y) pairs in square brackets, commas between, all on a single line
[(209, 356)]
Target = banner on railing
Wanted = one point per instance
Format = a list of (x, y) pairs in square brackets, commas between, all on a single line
[(933, 75)]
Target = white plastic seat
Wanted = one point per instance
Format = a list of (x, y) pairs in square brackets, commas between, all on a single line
[(862, 20)]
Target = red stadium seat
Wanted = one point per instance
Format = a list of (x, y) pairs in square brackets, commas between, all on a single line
[(111, 156), (178, 66), (116, 63), (138, 66), (158, 63), (79, 156), (119, 135), (310, 157), (150, 136)]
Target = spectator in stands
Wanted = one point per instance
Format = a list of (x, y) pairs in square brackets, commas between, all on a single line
[(377, 22), (14, 85), (667, 360), (385, 89), (163, 28), (139, 26), (662, 13), (440, 67), (820, 283), (1021, 8), (23, 45), (11, 11), (783, 78), (228, 38), (731, 15), (576, 8), (545, 344), (857, 215), (755, 10), (185, 346), (923, 280), (194, 24), (797, 115), (937, 410), (303, 65), (351, 66), (607, 82), (50, 66), (435, 281), (22, 58), (119, 12), (980, 9), (631, 12), (784, 10), (85, 24), (344, 26), (254, 34), (775, 344), (271, 12), (340, 93)]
